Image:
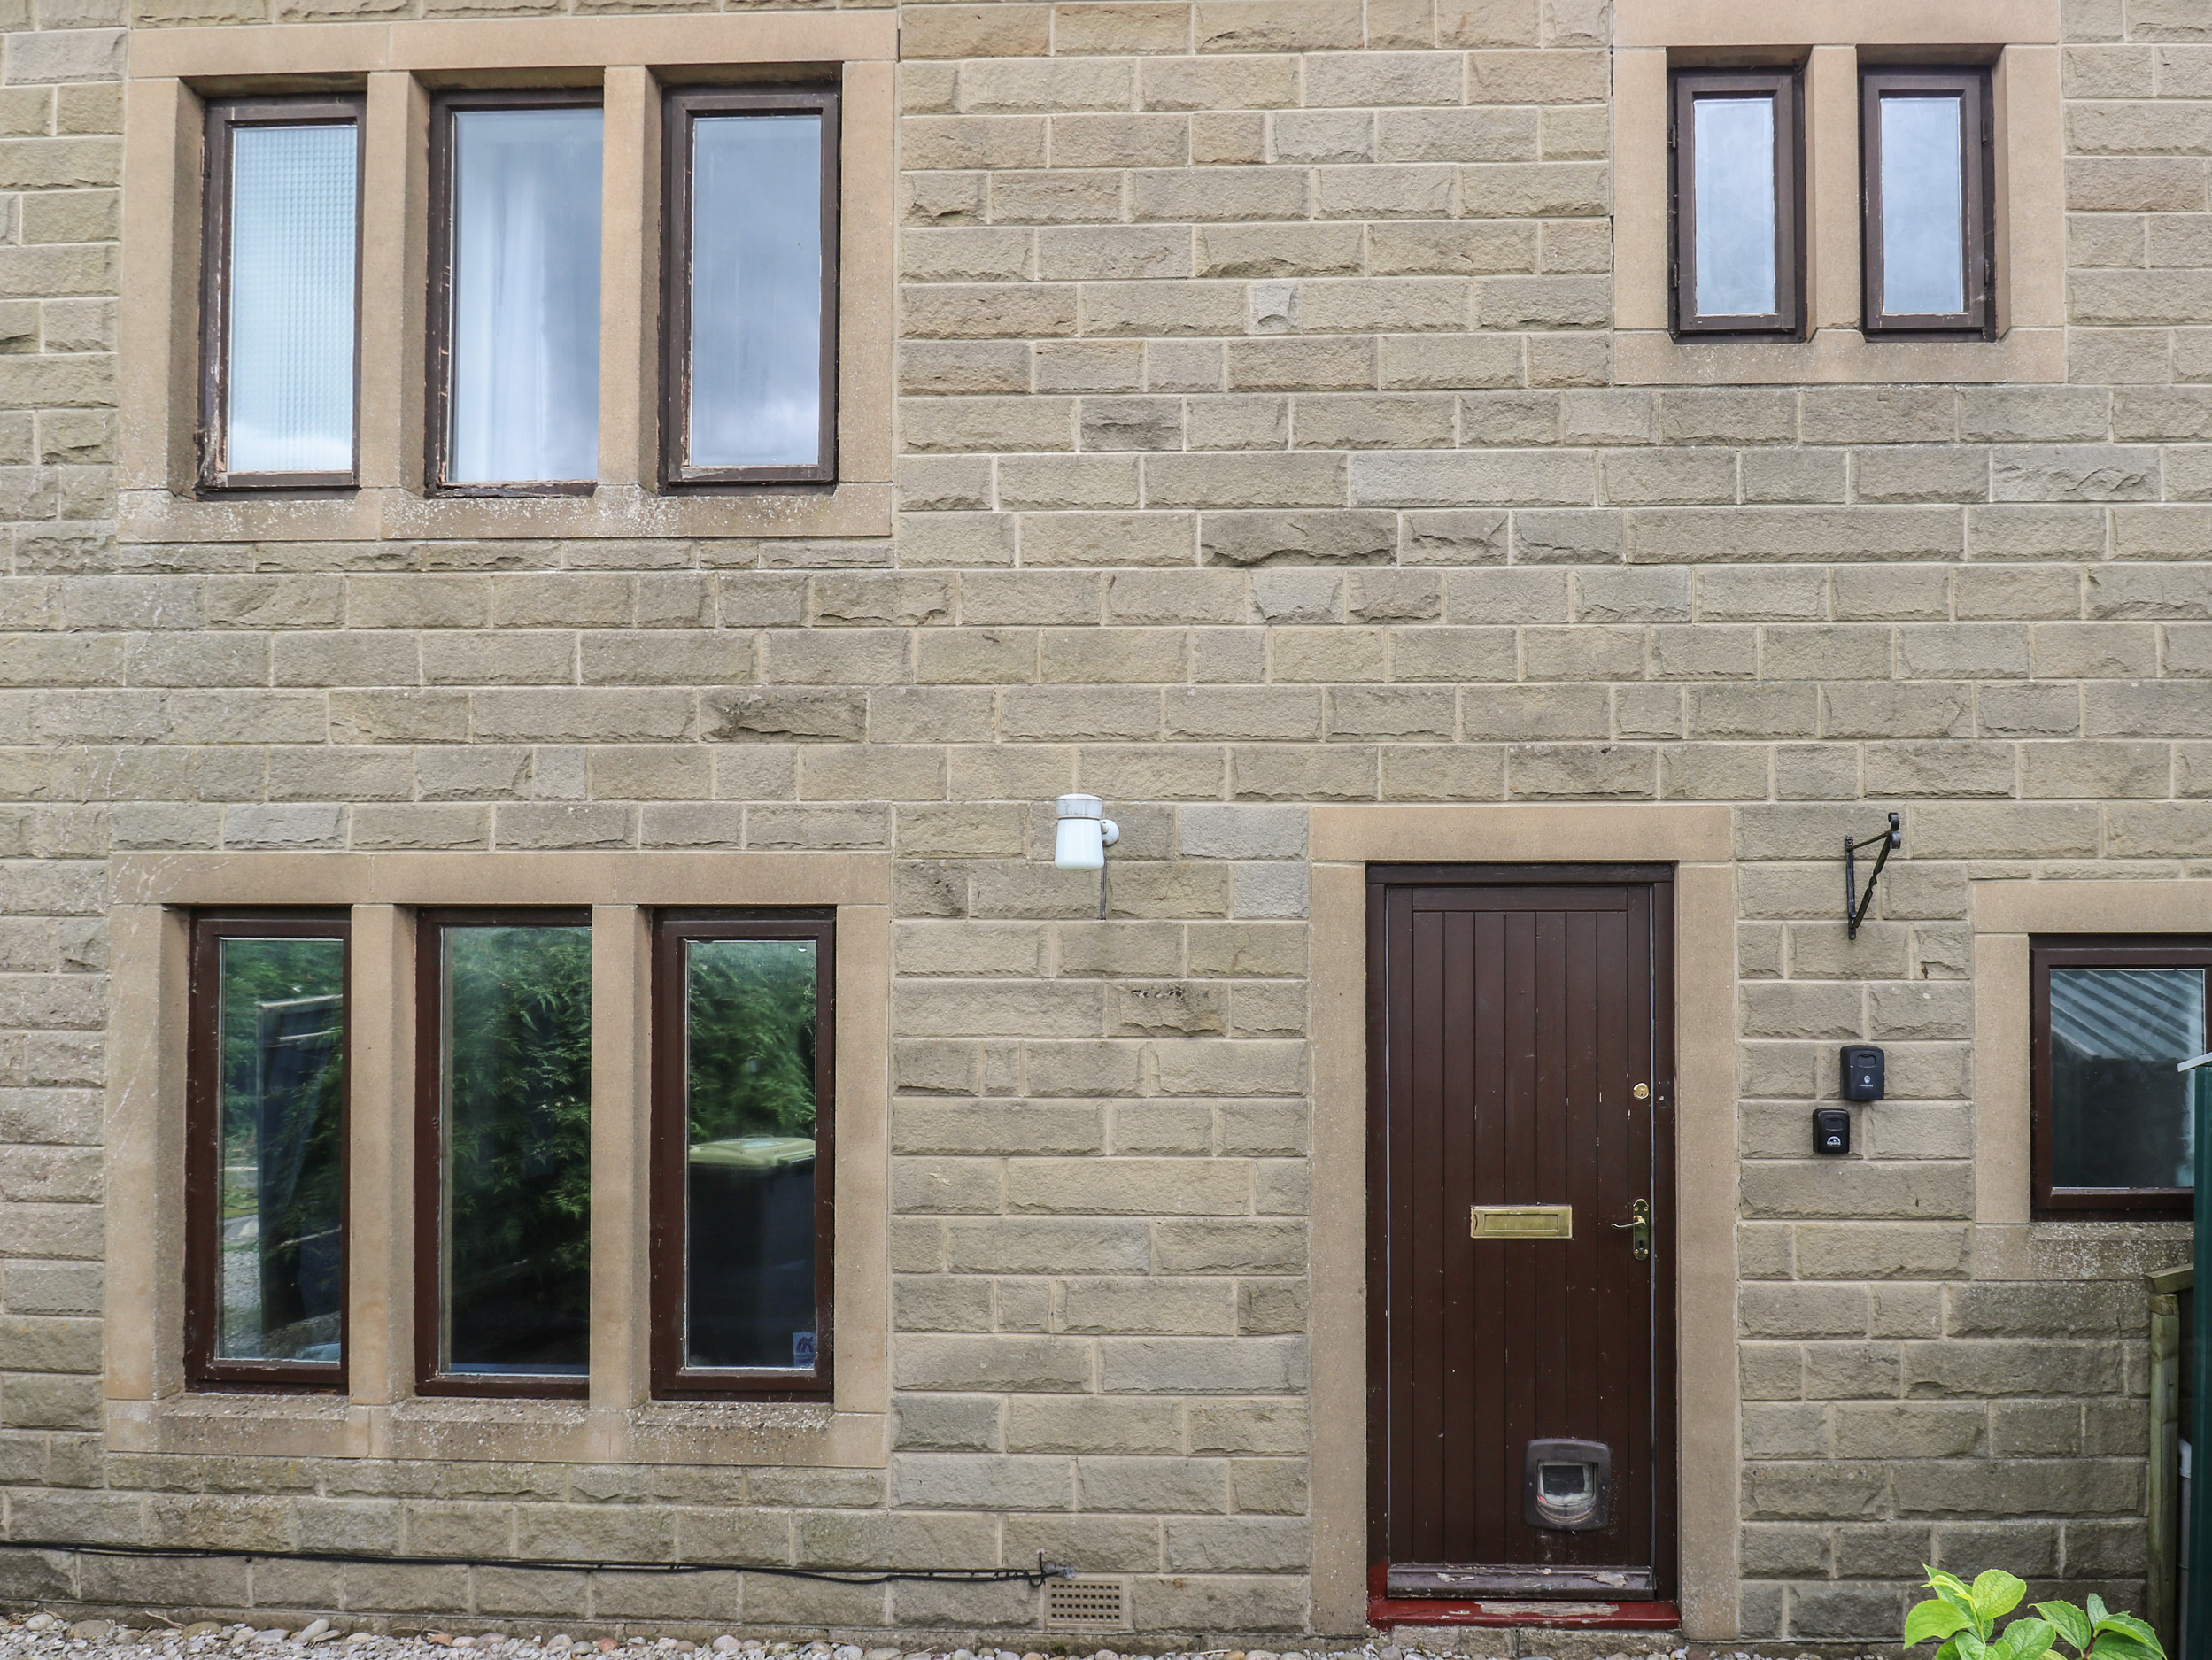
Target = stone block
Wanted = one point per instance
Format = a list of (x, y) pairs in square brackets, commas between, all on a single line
[(1202, 1365), (1417, 362), (1492, 478), (982, 31)]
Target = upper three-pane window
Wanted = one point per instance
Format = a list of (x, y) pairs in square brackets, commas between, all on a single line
[(1738, 139), (746, 277)]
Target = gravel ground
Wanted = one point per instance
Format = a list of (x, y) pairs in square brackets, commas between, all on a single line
[(46, 1635)]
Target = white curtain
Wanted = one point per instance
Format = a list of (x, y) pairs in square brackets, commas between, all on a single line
[(525, 389)]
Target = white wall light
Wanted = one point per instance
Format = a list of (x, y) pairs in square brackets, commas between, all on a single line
[(1085, 833)]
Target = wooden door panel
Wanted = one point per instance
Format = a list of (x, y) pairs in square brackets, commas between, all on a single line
[(1513, 1020)]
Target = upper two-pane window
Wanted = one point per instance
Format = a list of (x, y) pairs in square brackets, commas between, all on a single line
[(1924, 143), (1739, 195), (1738, 139), (748, 288)]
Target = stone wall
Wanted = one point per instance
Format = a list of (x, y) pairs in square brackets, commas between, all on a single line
[(1259, 450)]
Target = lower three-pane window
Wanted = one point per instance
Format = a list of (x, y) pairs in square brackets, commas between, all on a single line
[(741, 1123)]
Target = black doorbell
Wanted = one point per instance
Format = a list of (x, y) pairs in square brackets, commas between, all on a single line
[(1862, 1071), (1831, 1129)]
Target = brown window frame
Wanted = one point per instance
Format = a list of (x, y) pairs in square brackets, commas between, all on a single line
[(203, 1118), (437, 357), (2136, 950), (1978, 208), (1784, 86), (680, 107), (429, 1160), (224, 116), (672, 1379)]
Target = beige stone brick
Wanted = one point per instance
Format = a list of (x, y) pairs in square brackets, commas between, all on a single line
[(1310, 137), (1150, 309), (1023, 86), (1476, 134), (978, 31), (1551, 190), (1455, 772), (1386, 192), (1262, 81), (961, 311), (1277, 26), (1415, 362), (1023, 198), (1366, 80), (1106, 656), (1121, 26), (1246, 250), (1449, 247)]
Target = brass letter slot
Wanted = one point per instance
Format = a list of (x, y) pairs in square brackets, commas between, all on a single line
[(1520, 1221)]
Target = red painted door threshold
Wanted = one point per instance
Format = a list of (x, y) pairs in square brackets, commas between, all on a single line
[(1384, 1611)]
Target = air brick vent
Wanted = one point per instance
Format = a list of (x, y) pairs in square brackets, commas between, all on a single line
[(1086, 1605)]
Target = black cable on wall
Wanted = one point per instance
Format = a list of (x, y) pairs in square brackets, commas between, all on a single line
[(1032, 1576)]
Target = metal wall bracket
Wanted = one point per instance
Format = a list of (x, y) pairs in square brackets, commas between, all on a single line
[(1855, 903)]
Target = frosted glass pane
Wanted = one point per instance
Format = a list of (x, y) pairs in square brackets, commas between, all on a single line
[(1734, 139), (1923, 195), (526, 297), (292, 231), (756, 290)]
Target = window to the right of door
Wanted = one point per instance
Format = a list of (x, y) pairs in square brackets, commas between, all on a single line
[(1738, 207), (1924, 157), (2112, 1020)]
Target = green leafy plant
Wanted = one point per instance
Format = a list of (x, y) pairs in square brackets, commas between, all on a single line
[(1965, 1617)]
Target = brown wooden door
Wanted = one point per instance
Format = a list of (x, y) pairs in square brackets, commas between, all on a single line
[(1513, 1013)]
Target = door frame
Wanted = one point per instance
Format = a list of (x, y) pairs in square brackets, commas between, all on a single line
[(1698, 842)]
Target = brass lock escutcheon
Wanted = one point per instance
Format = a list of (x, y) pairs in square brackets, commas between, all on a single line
[(1639, 1226)]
